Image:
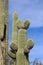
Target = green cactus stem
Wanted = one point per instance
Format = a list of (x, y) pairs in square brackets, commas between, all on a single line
[(14, 28), (20, 46), (22, 55), (21, 58), (13, 45)]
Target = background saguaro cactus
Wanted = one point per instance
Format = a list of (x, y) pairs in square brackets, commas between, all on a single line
[(20, 46), (14, 38)]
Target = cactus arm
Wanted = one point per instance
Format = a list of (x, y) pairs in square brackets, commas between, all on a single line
[(19, 24), (14, 47), (14, 28), (14, 44), (26, 24), (12, 54), (30, 44), (26, 50)]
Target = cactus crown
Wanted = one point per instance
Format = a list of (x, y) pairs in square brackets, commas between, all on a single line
[(15, 16)]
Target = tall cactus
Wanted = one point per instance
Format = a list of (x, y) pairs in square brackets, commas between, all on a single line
[(24, 45), (14, 28), (14, 36), (21, 49), (4, 29)]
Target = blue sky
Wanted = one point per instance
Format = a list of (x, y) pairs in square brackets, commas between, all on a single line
[(32, 10), (37, 35)]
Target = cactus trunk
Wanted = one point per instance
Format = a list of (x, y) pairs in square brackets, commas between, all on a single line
[(21, 57), (4, 30)]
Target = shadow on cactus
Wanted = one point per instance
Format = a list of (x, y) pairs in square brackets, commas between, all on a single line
[(21, 46)]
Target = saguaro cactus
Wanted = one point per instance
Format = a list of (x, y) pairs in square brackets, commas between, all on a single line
[(23, 46), (14, 38), (4, 31)]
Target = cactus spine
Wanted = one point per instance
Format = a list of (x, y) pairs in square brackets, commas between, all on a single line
[(20, 49)]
